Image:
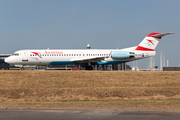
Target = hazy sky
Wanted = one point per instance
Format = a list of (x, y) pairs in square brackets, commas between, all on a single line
[(72, 24)]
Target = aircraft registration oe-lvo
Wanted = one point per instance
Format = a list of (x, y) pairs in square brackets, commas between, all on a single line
[(87, 57)]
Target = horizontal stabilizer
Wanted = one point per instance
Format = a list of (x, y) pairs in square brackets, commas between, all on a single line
[(161, 35)]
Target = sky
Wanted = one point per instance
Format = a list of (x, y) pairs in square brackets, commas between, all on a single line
[(72, 24)]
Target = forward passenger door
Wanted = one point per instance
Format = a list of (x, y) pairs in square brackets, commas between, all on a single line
[(25, 56)]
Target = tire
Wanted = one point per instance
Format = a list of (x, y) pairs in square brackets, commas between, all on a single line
[(89, 68)]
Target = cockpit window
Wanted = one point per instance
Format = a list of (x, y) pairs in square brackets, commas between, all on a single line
[(16, 54)]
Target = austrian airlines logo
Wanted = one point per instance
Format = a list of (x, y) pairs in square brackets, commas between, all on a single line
[(36, 53), (151, 41)]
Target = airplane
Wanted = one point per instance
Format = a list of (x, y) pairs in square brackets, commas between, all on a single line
[(87, 57)]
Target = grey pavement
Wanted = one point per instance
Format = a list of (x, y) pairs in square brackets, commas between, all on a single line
[(86, 114)]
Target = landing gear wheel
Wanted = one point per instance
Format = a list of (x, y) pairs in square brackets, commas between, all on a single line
[(89, 68), (22, 68)]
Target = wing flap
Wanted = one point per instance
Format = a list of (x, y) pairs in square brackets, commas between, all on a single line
[(86, 60)]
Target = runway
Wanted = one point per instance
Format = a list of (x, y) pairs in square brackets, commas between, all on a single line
[(89, 114)]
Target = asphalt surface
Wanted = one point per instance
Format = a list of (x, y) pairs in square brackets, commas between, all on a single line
[(85, 114)]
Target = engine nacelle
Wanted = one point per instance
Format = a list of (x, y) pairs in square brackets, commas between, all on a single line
[(121, 54)]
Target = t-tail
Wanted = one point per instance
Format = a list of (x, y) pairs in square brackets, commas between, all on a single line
[(150, 42)]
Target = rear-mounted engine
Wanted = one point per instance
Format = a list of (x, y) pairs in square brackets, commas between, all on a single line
[(122, 54)]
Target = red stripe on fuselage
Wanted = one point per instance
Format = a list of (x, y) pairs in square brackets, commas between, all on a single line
[(143, 49), (36, 54)]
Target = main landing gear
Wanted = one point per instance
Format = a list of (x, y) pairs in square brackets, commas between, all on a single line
[(21, 68), (89, 68)]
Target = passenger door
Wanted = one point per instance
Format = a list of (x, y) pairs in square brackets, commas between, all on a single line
[(25, 56)]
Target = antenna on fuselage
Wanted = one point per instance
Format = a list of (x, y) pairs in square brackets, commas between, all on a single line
[(118, 45)]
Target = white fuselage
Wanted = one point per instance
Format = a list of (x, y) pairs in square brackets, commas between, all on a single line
[(62, 57)]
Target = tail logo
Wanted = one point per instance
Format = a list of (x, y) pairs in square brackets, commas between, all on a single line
[(151, 41), (36, 53)]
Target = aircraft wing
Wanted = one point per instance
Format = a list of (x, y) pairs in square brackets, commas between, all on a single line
[(86, 60)]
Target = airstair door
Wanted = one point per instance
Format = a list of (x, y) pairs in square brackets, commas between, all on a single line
[(25, 56)]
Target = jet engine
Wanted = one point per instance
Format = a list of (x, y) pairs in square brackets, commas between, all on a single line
[(121, 54)]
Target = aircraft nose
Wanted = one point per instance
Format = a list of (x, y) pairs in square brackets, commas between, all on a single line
[(8, 60)]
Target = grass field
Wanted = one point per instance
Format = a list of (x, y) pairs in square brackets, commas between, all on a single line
[(91, 89)]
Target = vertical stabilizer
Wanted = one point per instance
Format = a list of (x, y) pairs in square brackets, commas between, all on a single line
[(150, 42)]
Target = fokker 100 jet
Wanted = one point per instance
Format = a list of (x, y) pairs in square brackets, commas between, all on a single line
[(87, 57)]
